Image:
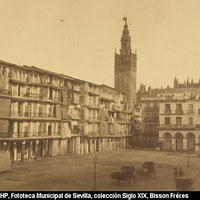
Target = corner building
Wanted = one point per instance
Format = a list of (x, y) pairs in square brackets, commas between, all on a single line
[(179, 116), (173, 117)]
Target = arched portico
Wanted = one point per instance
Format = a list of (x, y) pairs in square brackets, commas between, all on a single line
[(167, 141), (179, 141), (190, 141)]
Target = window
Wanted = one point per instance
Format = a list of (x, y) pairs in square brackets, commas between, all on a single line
[(148, 116), (50, 93), (49, 129), (148, 105), (94, 114), (190, 107), (54, 111), (167, 107), (167, 120), (178, 106), (155, 116), (155, 105), (19, 90), (20, 109), (179, 120), (59, 128), (190, 120), (94, 101), (179, 110)]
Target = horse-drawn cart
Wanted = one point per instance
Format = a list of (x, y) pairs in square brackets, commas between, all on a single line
[(149, 167), (147, 170), (126, 174)]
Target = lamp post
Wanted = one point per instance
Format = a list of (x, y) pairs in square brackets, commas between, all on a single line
[(188, 159), (188, 165), (95, 167)]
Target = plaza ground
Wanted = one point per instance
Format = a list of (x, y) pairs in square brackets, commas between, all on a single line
[(76, 172)]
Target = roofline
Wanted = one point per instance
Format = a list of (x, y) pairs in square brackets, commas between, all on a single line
[(39, 70)]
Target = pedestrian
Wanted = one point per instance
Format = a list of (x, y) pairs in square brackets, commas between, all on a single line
[(180, 172), (175, 173)]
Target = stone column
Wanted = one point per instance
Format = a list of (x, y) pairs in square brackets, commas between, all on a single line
[(91, 145), (100, 144), (103, 144), (111, 144), (82, 146), (86, 146), (15, 151), (108, 144), (94, 150), (31, 149), (173, 144), (77, 145), (124, 142), (46, 148), (72, 146), (23, 148), (116, 143), (43, 149), (4, 146), (185, 144), (15, 129), (36, 149)]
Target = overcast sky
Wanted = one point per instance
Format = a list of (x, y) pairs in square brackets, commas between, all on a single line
[(78, 37)]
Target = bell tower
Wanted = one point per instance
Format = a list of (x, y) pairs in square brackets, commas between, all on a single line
[(126, 67)]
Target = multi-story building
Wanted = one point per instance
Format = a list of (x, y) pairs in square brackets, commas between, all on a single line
[(178, 127), (150, 122), (48, 114), (126, 67)]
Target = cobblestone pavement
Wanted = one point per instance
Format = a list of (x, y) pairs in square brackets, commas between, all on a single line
[(76, 172)]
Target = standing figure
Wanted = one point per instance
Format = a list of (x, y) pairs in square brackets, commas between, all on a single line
[(175, 173)]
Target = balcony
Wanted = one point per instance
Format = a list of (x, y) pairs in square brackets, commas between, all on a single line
[(93, 120), (5, 92), (177, 126), (167, 112), (93, 92), (75, 116), (94, 105), (116, 108), (179, 112), (16, 114), (93, 133), (4, 135), (190, 112)]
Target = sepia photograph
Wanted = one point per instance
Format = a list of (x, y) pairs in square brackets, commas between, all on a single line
[(100, 96)]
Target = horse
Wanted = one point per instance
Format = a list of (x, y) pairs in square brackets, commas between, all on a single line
[(119, 176), (126, 174)]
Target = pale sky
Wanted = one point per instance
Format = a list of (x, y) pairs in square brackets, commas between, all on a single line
[(78, 37)]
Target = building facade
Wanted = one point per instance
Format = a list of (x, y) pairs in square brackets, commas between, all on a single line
[(126, 67), (178, 125), (150, 122), (179, 115), (48, 114)]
